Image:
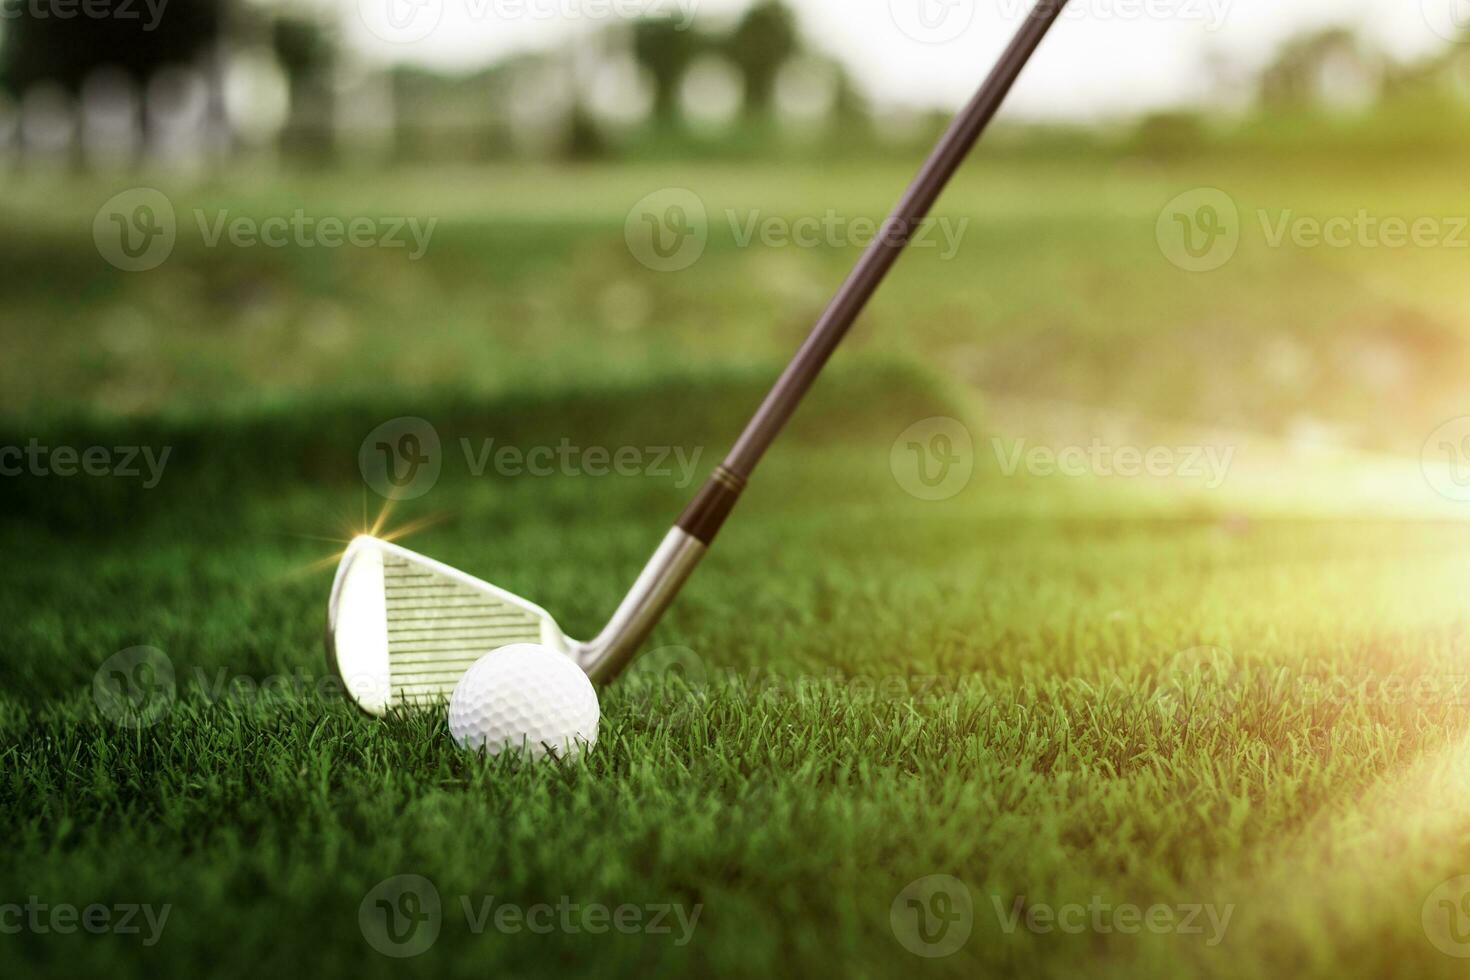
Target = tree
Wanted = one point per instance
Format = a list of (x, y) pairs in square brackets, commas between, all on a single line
[(67, 50), (306, 50), (665, 49), (764, 40), (1329, 66)]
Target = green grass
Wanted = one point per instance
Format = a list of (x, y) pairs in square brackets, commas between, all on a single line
[(885, 689), (1058, 691)]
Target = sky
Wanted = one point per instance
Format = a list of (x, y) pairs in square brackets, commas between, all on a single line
[(1107, 57)]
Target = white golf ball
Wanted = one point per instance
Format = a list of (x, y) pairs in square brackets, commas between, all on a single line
[(524, 695)]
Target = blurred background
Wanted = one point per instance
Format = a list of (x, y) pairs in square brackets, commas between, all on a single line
[(192, 85), (520, 138)]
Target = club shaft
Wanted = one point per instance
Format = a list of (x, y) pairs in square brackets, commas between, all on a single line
[(606, 656), (705, 515)]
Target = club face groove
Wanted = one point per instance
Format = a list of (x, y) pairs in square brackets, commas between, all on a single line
[(402, 629)]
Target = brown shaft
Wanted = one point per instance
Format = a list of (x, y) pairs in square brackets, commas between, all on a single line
[(709, 509)]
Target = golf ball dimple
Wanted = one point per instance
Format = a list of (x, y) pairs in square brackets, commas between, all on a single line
[(524, 695)]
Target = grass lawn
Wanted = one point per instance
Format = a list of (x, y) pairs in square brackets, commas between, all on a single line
[(1084, 700)]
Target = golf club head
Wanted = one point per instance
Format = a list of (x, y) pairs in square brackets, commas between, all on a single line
[(402, 629)]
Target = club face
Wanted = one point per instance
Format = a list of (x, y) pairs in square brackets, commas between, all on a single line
[(402, 629)]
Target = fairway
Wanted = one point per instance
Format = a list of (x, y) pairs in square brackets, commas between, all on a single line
[(1224, 728)]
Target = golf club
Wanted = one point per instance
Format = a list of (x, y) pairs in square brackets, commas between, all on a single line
[(402, 628)]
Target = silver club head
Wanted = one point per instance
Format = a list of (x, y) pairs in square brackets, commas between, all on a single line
[(402, 629)]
